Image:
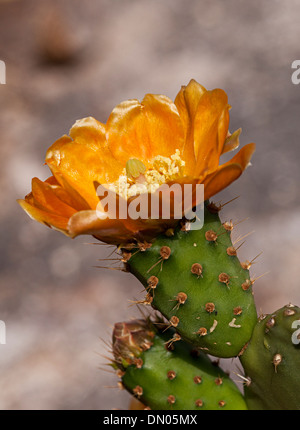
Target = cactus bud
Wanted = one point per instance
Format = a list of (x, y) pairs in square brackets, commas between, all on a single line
[(130, 339)]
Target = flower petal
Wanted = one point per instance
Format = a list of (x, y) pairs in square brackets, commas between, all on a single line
[(46, 199), (88, 131), (107, 230), (187, 101), (52, 180), (126, 132), (211, 121), (144, 130), (66, 192), (232, 141), (164, 125), (223, 129), (244, 155), (55, 221), (228, 172), (81, 165), (221, 178)]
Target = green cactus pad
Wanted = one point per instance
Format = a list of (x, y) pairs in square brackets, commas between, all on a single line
[(195, 279), (271, 362), (168, 375)]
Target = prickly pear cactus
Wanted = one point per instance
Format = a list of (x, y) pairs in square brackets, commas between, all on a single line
[(271, 362), (195, 279), (169, 375)]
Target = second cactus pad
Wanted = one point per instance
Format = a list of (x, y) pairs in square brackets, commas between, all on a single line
[(271, 361), (169, 375), (195, 279)]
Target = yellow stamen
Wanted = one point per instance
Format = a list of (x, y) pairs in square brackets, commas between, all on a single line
[(136, 179)]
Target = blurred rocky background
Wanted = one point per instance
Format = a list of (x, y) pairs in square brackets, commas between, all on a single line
[(69, 59)]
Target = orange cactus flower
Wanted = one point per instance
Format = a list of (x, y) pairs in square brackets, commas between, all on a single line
[(147, 144)]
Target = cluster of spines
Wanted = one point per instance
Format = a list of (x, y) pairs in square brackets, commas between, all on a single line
[(197, 269)]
